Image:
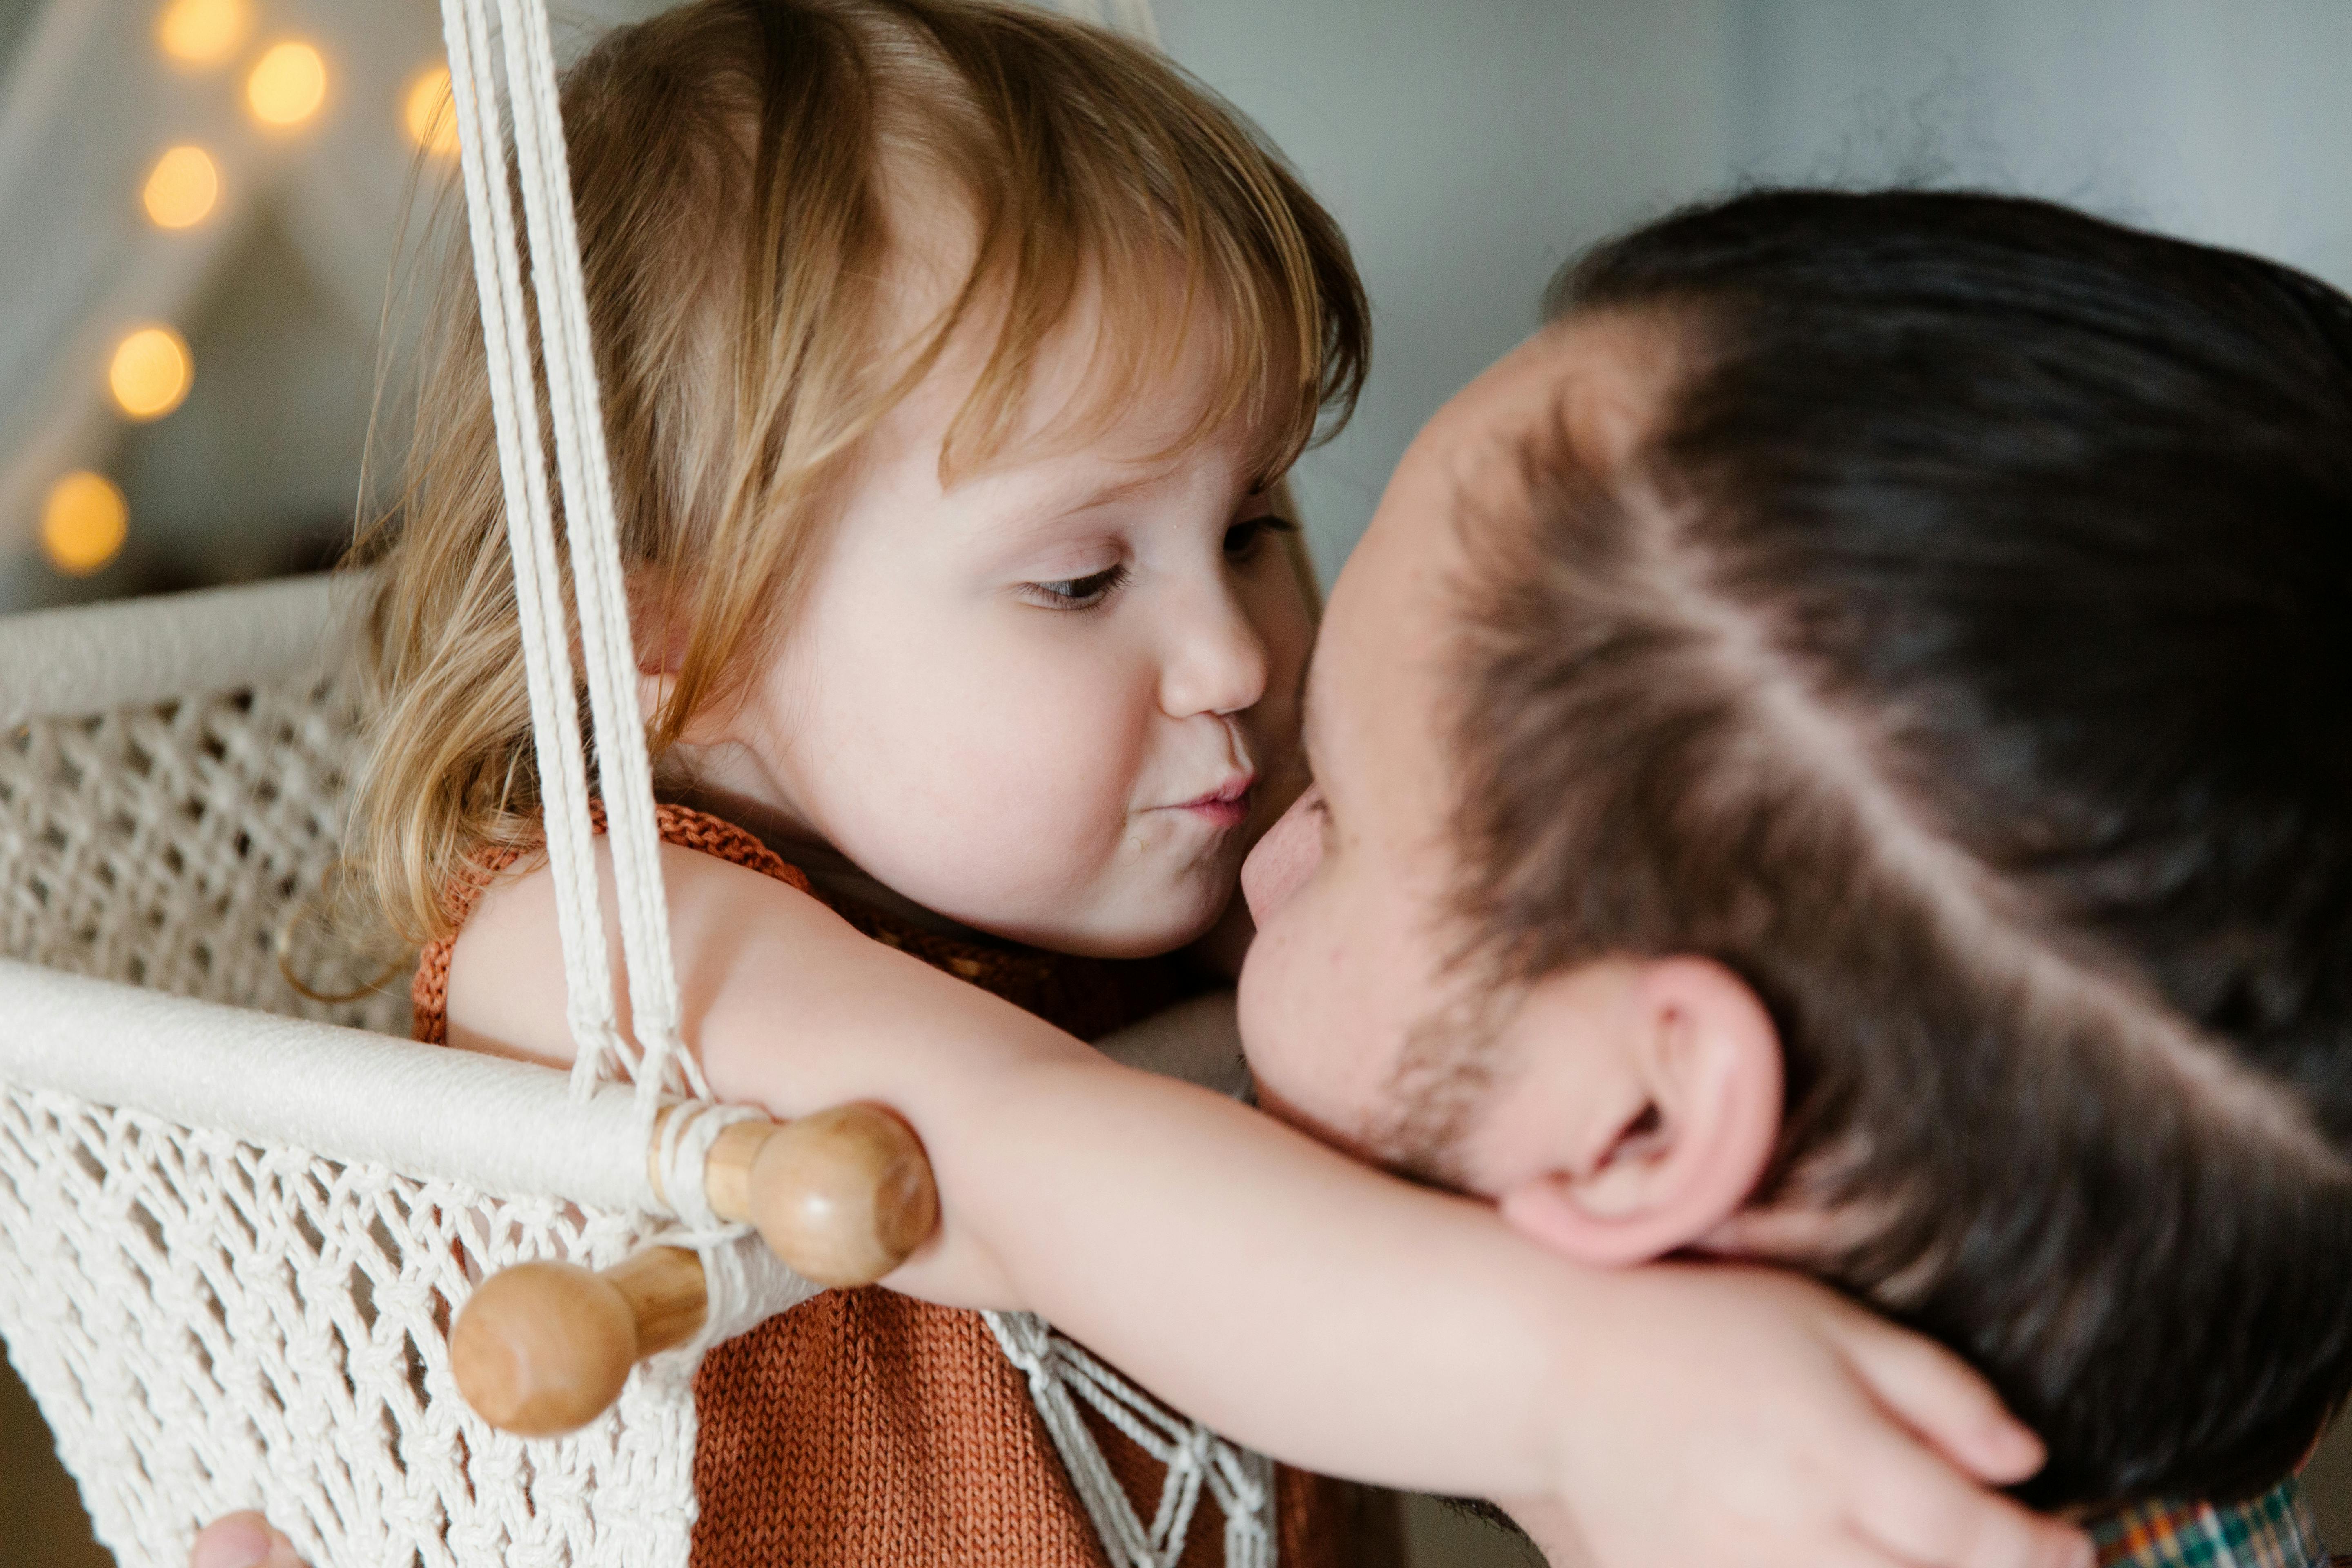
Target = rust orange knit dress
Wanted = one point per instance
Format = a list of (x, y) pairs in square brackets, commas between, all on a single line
[(867, 1429)]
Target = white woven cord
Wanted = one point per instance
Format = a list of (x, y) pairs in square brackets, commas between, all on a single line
[(238, 1294), (1061, 1374), (598, 577), (658, 1062), (505, 1127), (530, 537), (744, 1284)]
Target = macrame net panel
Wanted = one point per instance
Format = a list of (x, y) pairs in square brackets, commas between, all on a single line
[(167, 845), (210, 1324)]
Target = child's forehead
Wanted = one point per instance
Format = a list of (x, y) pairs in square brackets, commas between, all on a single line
[(1135, 347), (1121, 385)]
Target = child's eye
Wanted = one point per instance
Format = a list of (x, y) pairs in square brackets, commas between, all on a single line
[(1076, 592), (1243, 539)]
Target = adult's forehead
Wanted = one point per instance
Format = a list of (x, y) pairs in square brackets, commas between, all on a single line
[(1381, 667), (1598, 381)]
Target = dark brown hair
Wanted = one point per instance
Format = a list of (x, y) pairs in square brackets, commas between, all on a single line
[(1965, 661)]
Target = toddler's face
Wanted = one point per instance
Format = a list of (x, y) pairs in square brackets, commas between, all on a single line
[(1056, 701)]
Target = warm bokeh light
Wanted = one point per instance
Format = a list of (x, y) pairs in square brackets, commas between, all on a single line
[(430, 114), (83, 523), (203, 32), (287, 85), (150, 373), (183, 188)]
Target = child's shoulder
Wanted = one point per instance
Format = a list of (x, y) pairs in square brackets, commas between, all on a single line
[(727, 894), (684, 827)]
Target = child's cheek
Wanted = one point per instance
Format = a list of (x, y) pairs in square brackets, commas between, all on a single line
[(1003, 771)]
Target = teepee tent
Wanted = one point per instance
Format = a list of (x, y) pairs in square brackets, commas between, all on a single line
[(90, 100), (236, 1221)]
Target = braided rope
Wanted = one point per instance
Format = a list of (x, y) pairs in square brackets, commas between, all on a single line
[(520, 70)]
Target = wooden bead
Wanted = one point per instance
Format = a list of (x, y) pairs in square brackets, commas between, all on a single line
[(542, 1348), (844, 1195)]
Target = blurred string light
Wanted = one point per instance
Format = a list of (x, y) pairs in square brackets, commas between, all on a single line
[(203, 32), (150, 373), (182, 189), (287, 84), (430, 113), (83, 523)]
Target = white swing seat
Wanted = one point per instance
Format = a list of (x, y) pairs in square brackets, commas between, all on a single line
[(233, 1228)]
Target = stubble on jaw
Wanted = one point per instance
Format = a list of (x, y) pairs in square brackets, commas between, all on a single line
[(1442, 1080)]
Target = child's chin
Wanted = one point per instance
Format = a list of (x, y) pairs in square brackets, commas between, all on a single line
[(1151, 935)]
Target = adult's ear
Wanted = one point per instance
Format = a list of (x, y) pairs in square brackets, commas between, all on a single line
[(1681, 1080)]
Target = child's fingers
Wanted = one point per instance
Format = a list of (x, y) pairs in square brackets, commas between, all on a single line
[(1938, 1395), (1919, 1510), (1856, 1553), (242, 1541)]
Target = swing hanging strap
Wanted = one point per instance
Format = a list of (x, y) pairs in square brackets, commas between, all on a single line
[(515, 63)]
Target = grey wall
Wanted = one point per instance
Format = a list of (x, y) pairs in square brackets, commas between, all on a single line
[(1466, 149), (1469, 146)]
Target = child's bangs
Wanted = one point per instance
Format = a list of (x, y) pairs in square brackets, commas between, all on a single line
[(1113, 196), (1236, 339)]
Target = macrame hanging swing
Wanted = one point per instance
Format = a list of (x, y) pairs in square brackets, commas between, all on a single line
[(237, 1223)]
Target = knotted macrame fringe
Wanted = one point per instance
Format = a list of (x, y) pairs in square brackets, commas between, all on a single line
[(1241, 1482)]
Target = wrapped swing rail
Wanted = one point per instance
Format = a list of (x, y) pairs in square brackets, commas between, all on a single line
[(343, 1094), (111, 655), (842, 1197)]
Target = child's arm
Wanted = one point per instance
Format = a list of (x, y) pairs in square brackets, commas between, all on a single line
[(1305, 1304)]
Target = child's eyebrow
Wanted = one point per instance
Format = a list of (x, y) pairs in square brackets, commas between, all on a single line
[(1030, 520), (1098, 497)]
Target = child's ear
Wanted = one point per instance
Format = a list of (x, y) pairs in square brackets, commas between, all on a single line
[(656, 626), (1691, 1112), (657, 634)]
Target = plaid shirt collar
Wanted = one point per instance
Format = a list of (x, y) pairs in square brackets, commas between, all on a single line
[(2273, 1530)]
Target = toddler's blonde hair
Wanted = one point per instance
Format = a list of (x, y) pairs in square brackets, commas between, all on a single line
[(738, 167)]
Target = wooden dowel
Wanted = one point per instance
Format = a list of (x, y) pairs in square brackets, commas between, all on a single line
[(844, 1197), (727, 1169), (666, 1294)]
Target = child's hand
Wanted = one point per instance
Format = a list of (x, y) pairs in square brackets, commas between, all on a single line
[(243, 1541), (1750, 1418)]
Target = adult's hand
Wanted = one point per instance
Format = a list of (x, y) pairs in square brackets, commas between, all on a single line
[(243, 1541)]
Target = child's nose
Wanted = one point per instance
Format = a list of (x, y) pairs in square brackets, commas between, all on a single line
[(1219, 664)]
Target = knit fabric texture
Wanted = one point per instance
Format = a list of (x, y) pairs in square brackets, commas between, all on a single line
[(867, 1429)]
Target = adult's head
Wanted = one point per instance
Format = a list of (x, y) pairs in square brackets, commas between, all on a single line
[(1838, 750)]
